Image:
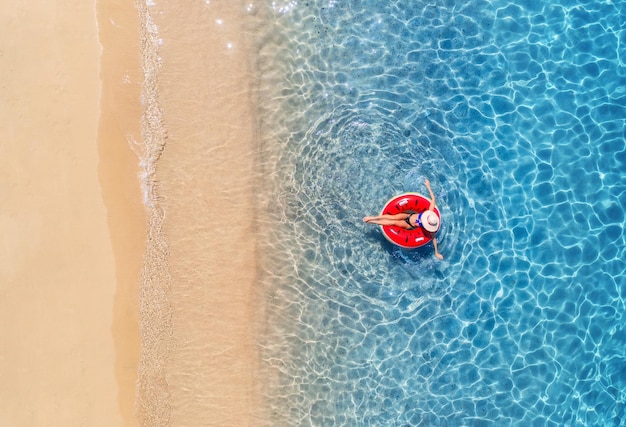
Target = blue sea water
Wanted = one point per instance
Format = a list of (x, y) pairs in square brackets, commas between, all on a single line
[(516, 113)]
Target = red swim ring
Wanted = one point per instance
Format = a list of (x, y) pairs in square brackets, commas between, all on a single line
[(409, 203)]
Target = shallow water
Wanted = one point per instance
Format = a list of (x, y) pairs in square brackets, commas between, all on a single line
[(515, 112)]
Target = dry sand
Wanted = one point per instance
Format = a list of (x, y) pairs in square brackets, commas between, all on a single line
[(68, 278)]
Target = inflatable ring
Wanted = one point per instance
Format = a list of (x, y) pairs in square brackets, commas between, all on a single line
[(409, 203)]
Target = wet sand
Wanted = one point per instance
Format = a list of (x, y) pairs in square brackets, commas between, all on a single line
[(68, 279), (119, 129)]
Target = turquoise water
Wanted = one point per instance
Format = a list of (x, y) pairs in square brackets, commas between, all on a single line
[(516, 113)]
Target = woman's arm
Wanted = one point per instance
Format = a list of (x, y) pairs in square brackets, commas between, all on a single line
[(432, 205), (437, 254), (432, 195)]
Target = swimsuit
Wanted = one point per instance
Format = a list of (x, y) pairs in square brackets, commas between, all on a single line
[(407, 220), (418, 223), (419, 220)]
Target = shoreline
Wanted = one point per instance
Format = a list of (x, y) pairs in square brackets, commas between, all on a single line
[(65, 280), (200, 355)]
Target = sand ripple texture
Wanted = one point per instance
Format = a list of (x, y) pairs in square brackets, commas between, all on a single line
[(515, 112), (153, 396)]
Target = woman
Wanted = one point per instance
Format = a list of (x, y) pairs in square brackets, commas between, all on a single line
[(427, 220)]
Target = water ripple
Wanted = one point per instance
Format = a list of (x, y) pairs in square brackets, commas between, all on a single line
[(515, 112)]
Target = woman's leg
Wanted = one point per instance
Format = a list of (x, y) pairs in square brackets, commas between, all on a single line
[(399, 216), (398, 220)]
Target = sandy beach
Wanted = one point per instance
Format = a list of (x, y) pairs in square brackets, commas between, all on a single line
[(74, 224), (71, 220)]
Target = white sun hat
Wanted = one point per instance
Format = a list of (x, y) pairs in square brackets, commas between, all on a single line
[(429, 221)]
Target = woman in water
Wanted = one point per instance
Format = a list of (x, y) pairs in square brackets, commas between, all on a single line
[(427, 220)]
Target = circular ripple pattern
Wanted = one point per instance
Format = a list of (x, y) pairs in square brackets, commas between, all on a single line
[(515, 112)]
